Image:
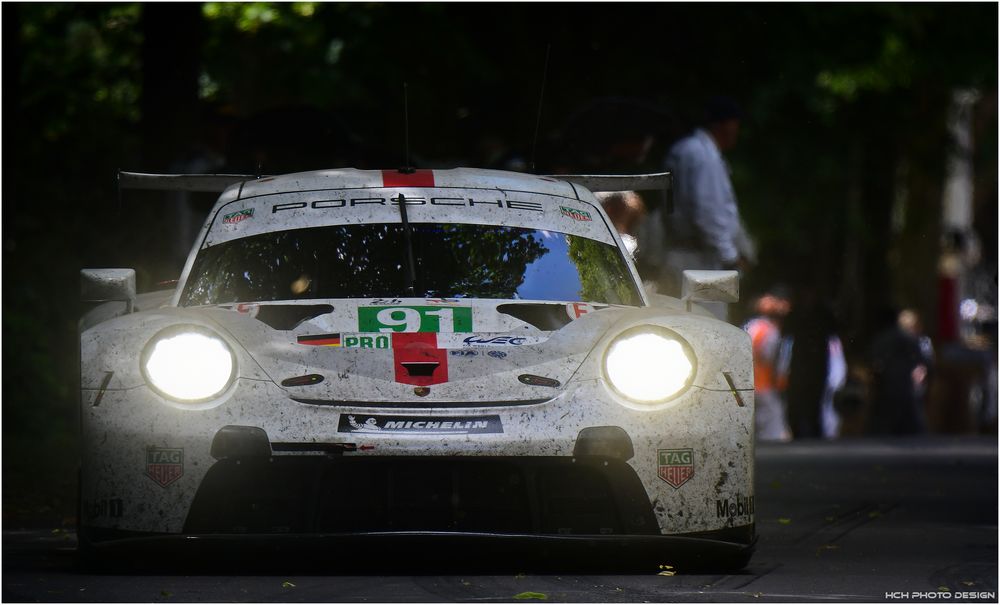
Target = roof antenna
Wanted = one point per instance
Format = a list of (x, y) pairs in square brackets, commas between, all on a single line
[(118, 185), (541, 96), (407, 168)]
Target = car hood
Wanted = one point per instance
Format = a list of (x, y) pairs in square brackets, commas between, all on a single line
[(473, 352)]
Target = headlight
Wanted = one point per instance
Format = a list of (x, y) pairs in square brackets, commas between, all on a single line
[(649, 364), (188, 363)]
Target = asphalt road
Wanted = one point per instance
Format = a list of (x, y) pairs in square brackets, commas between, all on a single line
[(845, 521)]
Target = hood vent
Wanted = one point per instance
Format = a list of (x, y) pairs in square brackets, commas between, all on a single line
[(420, 368), (288, 317), (544, 316)]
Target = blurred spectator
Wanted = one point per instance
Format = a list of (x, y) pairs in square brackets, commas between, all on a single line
[(704, 230), (768, 379), (909, 322), (851, 401), (836, 378), (626, 210), (897, 371), (816, 367)]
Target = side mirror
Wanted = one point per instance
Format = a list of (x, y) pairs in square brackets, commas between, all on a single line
[(107, 285), (711, 286)]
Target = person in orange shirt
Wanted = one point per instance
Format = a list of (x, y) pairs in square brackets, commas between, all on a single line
[(768, 378)]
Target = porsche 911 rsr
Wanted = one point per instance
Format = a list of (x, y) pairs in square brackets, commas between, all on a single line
[(445, 354)]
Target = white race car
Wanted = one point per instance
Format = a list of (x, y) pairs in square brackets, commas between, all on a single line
[(455, 355)]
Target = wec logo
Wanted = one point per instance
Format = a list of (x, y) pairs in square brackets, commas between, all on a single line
[(495, 340)]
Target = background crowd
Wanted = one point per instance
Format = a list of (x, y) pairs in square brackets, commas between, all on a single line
[(801, 375)]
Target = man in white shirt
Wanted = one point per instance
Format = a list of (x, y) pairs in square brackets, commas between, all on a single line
[(704, 230)]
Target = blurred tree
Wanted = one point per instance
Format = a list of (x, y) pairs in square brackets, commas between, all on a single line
[(171, 66), (69, 120)]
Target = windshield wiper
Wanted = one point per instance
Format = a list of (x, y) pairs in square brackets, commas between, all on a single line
[(411, 276)]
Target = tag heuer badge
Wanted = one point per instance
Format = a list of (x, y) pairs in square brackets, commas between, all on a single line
[(163, 465), (575, 214), (239, 215), (675, 466)]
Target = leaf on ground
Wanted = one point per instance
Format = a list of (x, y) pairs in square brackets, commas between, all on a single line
[(874, 514), (785, 521), (164, 593), (826, 547), (968, 583), (944, 589), (57, 531), (775, 484), (667, 573), (287, 584), (464, 583), (541, 596), (829, 519)]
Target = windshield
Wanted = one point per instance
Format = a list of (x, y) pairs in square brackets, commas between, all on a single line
[(452, 261)]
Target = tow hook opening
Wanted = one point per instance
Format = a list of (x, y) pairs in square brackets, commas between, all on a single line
[(234, 441), (606, 441)]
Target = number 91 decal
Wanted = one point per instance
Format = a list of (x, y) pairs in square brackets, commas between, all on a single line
[(415, 319)]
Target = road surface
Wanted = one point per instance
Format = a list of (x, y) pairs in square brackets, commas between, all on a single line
[(856, 520)]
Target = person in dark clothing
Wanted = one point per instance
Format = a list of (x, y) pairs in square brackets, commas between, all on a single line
[(897, 368), (810, 325)]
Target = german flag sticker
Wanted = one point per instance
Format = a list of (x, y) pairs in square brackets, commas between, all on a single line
[(321, 340)]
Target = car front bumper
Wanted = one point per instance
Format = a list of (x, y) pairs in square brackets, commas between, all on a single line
[(153, 468)]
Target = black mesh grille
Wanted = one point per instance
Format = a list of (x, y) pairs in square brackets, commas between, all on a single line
[(539, 495)]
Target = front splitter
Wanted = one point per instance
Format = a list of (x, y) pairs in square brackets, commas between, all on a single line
[(416, 552)]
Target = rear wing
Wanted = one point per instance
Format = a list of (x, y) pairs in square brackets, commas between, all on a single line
[(217, 183), (210, 183), (619, 182)]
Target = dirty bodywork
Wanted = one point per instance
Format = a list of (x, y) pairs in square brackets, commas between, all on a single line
[(388, 372)]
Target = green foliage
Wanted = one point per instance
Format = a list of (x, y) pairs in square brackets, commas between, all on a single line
[(601, 274), (81, 69), (893, 67), (236, 74)]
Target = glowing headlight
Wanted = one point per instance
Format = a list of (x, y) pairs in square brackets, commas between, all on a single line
[(189, 364), (649, 364)]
